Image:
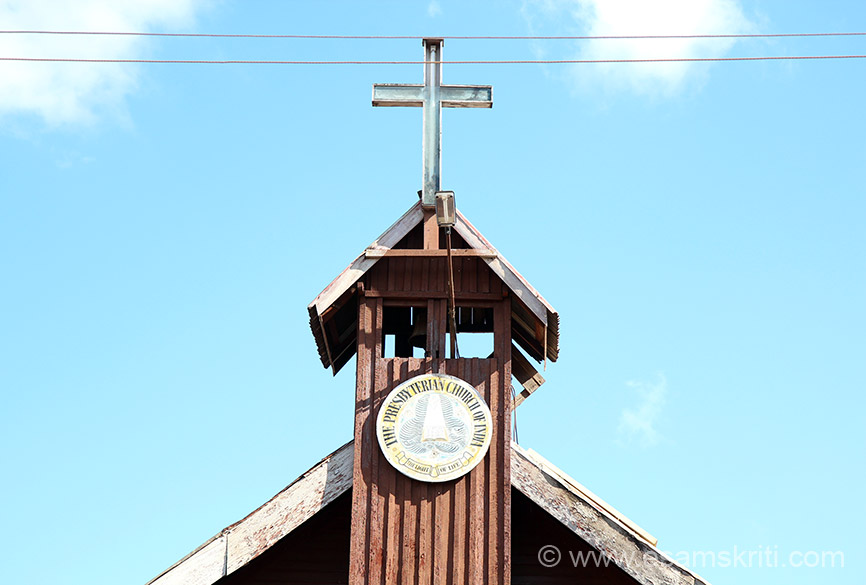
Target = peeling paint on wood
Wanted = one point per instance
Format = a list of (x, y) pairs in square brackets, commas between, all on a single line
[(450, 533), (526, 374), (307, 495), (289, 509), (625, 548), (540, 321), (203, 567), (240, 543)]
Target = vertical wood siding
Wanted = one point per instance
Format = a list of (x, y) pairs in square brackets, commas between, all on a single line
[(430, 276), (411, 532)]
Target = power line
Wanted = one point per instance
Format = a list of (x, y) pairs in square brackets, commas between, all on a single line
[(413, 37), (472, 62)]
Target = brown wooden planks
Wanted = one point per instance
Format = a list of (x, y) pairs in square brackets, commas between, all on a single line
[(416, 267), (442, 528), (502, 349), (494, 488), (466, 276), (410, 509), (484, 275), (407, 295), (477, 495), (380, 469), (411, 532), (460, 532), (359, 546), (424, 545), (431, 230)]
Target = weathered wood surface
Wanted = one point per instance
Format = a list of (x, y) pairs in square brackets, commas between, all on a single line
[(203, 567), (548, 318), (376, 253), (518, 285), (289, 509), (410, 296), (417, 532), (526, 374), (410, 532), (431, 229), (536, 530), (416, 234), (316, 552), (240, 543), (578, 488), (427, 277), (625, 547), (555, 495), (362, 263)]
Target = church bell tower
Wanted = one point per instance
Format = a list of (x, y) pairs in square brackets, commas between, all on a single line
[(431, 490)]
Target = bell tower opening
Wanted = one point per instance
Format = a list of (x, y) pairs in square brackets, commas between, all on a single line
[(475, 332), (404, 331)]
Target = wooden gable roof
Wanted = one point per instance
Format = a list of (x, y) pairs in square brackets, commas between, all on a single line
[(630, 549), (333, 313)]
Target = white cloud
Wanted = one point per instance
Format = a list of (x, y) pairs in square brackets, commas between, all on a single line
[(638, 423), (643, 17), (78, 93), (434, 8)]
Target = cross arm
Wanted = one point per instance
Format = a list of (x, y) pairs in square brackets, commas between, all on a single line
[(451, 96)]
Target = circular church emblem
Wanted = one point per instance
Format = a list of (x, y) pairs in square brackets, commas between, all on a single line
[(434, 427)]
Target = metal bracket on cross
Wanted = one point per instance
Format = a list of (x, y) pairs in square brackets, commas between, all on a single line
[(432, 96)]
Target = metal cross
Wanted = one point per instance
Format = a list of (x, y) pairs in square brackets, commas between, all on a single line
[(432, 96)]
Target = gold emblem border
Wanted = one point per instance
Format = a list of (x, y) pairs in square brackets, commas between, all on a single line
[(407, 466)]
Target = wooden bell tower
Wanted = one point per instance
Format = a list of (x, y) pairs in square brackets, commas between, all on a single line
[(431, 490), (398, 306), (404, 529)]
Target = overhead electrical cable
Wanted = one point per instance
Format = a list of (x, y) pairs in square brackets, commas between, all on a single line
[(450, 37), (414, 62), (469, 62)]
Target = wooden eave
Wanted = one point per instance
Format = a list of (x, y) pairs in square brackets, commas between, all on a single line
[(535, 323), (591, 519), (238, 544)]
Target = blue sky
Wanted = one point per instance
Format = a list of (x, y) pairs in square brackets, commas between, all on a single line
[(698, 228)]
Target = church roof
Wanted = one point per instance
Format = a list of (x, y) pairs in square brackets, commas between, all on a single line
[(628, 546), (333, 314)]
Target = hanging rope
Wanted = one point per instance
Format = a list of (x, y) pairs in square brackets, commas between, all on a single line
[(452, 310)]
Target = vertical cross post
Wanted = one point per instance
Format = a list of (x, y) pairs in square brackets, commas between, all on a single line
[(432, 129), (432, 97)]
